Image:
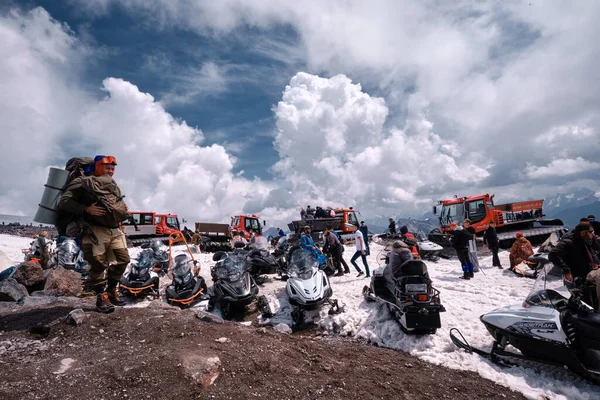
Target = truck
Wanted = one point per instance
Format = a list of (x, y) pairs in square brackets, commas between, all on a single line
[(524, 216), (345, 222), (216, 236), (144, 226)]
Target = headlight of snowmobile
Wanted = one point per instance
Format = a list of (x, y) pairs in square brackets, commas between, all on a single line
[(234, 276), (306, 274), (416, 287)]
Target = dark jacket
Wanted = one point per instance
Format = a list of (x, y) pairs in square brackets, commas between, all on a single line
[(332, 242), (392, 227), (84, 191), (490, 237), (365, 232), (460, 239), (573, 256)]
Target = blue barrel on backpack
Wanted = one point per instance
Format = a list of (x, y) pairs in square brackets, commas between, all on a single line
[(47, 212)]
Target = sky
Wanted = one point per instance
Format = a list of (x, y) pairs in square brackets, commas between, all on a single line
[(216, 108)]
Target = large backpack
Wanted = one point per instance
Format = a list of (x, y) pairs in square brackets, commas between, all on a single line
[(76, 166)]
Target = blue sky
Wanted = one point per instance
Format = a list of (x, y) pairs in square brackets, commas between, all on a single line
[(263, 106)]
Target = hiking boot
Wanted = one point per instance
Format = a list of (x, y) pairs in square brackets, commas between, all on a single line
[(115, 299), (466, 276), (339, 274), (471, 275), (347, 271), (359, 274), (499, 266), (103, 303)]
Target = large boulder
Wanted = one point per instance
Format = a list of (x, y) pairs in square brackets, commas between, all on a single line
[(11, 290), (63, 282), (29, 274)]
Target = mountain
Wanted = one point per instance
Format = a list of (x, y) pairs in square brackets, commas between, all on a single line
[(571, 216), (576, 198)]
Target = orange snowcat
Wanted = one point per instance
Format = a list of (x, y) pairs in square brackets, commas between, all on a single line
[(523, 216)]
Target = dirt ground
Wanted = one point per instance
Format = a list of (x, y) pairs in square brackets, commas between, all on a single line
[(141, 353)]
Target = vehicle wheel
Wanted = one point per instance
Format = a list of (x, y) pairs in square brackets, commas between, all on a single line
[(367, 294)]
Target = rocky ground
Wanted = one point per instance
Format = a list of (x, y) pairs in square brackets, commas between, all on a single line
[(31, 231), (162, 352)]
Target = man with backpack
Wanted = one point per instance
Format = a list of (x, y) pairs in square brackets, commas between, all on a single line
[(97, 207)]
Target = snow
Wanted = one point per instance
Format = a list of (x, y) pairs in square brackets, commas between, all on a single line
[(11, 246), (465, 302)]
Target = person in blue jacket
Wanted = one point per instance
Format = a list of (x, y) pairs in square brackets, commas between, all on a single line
[(307, 243)]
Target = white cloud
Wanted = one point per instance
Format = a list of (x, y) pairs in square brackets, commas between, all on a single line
[(334, 147), (561, 167)]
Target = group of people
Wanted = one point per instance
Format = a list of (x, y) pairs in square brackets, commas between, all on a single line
[(316, 213), (334, 247)]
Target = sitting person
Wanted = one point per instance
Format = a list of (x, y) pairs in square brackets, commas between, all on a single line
[(399, 255), (520, 251)]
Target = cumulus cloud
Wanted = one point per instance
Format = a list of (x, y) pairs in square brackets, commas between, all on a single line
[(334, 147), (561, 167), (45, 120)]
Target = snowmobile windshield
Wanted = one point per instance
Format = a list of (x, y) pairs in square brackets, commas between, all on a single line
[(144, 259), (420, 236), (303, 264), (548, 290), (138, 269), (230, 268), (182, 270), (67, 253)]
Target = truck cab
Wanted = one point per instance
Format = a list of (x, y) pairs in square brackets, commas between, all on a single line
[(247, 223), (150, 224)]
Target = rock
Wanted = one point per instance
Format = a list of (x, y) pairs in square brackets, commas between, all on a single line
[(28, 274), (282, 328), (76, 317), (202, 369), (11, 290), (222, 340), (207, 317), (63, 282), (161, 305), (42, 293)]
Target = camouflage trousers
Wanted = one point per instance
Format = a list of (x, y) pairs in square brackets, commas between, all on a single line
[(109, 254)]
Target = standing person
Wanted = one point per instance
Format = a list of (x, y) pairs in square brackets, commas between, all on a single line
[(42, 245), (473, 259), (392, 226), (490, 239), (196, 239), (335, 248), (331, 212), (460, 242), (310, 211), (520, 251), (302, 213), (365, 232), (344, 263), (360, 252), (97, 201)]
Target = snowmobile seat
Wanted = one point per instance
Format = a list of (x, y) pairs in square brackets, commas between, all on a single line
[(413, 267), (538, 260)]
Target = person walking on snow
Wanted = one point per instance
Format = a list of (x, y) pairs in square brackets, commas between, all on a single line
[(460, 242), (365, 232), (490, 239), (360, 252)]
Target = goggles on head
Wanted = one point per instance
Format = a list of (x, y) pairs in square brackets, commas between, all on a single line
[(107, 160)]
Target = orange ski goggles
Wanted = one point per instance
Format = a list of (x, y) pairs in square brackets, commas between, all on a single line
[(107, 160)]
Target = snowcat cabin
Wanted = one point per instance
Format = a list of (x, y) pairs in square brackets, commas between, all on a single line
[(166, 224), (144, 222), (245, 223), (479, 209)]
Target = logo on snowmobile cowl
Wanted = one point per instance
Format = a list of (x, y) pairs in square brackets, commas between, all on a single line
[(527, 327)]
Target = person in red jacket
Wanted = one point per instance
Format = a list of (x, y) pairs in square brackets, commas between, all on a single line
[(405, 235)]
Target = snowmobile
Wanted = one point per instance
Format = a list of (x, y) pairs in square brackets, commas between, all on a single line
[(234, 287), (141, 281), (427, 249), (412, 300), (188, 286), (70, 256), (547, 328), (307, 286), (260, 261), (535, 264), (160, 257)]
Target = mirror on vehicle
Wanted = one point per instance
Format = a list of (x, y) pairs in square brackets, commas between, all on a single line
[(218, 255), (239, 245)]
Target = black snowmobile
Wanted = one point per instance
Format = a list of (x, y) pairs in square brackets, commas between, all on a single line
[(547, 328), (260, 261), (233, 287), (188, 286), (410, 296), (141, 281), (160, 257)]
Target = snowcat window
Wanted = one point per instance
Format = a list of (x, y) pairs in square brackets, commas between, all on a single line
[(146, 219), (173, 223), (157, 220), (452, 213), (477, 211), (235, 222), (252, 224), (136, 218), (352, 218)]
